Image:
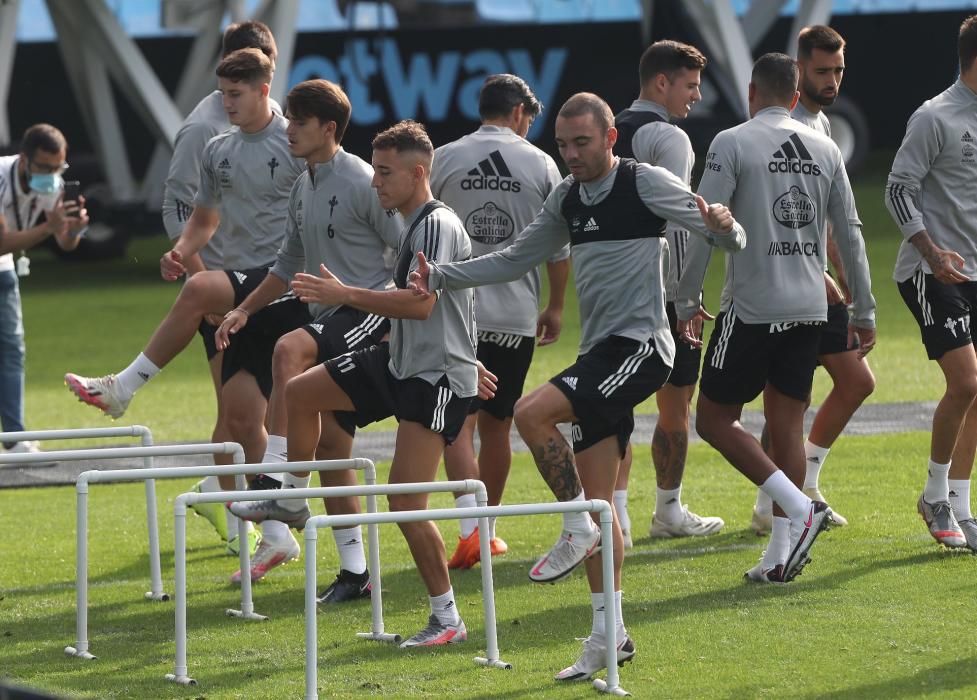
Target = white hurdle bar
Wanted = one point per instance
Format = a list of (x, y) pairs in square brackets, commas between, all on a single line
[(180, 671), (81, 647), (146, 474), (488, 592)]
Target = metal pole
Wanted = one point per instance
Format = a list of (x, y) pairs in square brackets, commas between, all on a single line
[(311, 632)]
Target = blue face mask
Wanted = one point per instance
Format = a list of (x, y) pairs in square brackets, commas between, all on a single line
[(46, 183)]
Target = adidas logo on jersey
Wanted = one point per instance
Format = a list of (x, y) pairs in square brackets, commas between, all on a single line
[(570, 382), (491, 174), (224, 164), (793, 157), (317, 327), (967, 138), (591, 225), (240, 277)]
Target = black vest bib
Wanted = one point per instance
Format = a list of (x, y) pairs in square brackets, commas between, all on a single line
[(621, 216), (405, 256), (627, 123)]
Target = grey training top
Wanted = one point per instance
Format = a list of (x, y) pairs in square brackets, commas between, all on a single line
[(443, 344), (619, 282), (497, 181), (664, 144), (782, 181), (933, 183), (335, 218), (248, 177), (819, 122), (206, 120)]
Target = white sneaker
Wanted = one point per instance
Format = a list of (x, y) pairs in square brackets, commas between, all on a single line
[(593, 658), (802, 536), (762, 574), (28, 447), (835, 518), (565, 556), (100, 392), (761, 523), (268, 556), (691, 525)]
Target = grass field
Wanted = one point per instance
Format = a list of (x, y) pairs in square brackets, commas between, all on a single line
[(882, 612)]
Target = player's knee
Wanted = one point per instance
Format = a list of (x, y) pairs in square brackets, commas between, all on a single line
[(862, 386), (402, 502), (705, 425), (197, 291), (962, 390)]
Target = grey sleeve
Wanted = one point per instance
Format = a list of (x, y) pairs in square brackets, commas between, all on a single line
[(291, 256), (183, 178), (674, 153), (920, 147), (546, 235), (847, 232), (553, 180), (670, 198), (689, 295), (437, 166), (208, 191)]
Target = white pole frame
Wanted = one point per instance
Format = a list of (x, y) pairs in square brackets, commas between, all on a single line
[(180, 671), (312, 526), (81, 646)]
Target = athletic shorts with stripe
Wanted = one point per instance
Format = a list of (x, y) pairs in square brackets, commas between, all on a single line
[(243, 282), (742, 358), (944, 312), (376, 394), (507, 356), (685, 372), (605, 384), (834, 333), (345, 330), (252, 348)]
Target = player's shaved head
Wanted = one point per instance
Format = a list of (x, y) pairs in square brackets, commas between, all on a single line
[(584, 103), (775, 78)]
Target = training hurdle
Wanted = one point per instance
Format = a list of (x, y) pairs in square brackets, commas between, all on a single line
[(180, 671), (81, 646), (488, 592)]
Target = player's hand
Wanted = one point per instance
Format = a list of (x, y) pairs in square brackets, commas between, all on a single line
[(717, 217), (687, 334), (171, 266), (323, 288), (214, 319), (234, 321), (861, 338), (548, 326), (417, 281), (487, 382), (833, 290), (697, 321), (946, 266)]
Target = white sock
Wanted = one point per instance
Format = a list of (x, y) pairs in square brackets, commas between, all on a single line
[(274, 532), (492, 528), (937, 486), (579, 523), (764, 504), (349, 544), (960, 498), (467, 525), (277, 450), (619, 629), (621, 507), (790, 498), (779, 546), (597, 605), (668, 505), (290, 481), (135, 376), (443, 607), (815, 460)]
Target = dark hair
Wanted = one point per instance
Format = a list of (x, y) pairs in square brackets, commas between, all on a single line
[(669, 57), (320, 99), (249, 35), (502, 93), (967, 43), (43, 137), (404, 136), (819, 37), (588, 103), (245, 66), (775, 76)]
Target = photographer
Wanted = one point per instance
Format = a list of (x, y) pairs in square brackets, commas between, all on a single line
[(32, 207)]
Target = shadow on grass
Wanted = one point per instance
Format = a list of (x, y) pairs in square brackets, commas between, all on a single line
[(958, 674)]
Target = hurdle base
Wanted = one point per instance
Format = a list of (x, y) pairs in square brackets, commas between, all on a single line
[(231, 612), (180, 680), (79, 653), (601, 685), (493, 663), (381, 637), (159, 597)]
